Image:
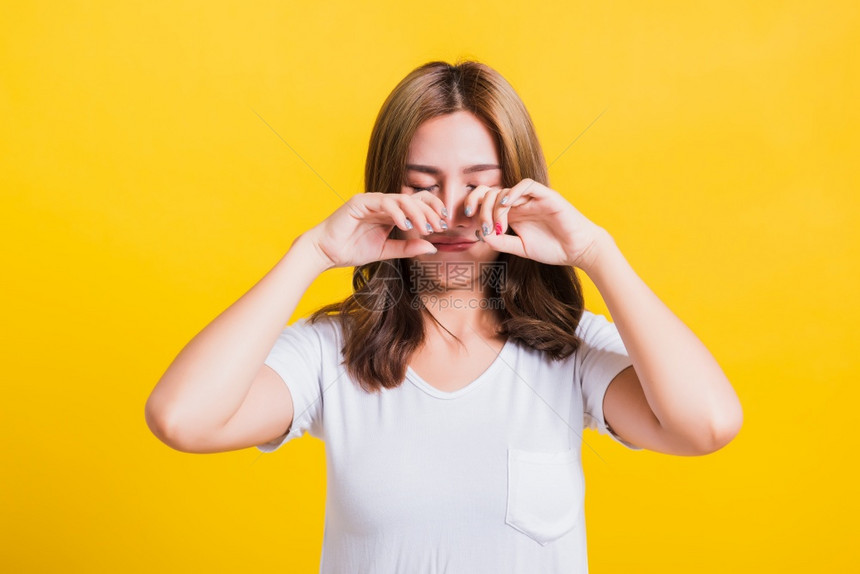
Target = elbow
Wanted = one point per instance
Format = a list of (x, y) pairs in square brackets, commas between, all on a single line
[(177, 429), (724, 428), (156, 420), (708, 434), (162, 423)]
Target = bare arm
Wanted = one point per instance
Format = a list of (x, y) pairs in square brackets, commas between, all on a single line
[(211, 377), (676, 399), (217, 394)]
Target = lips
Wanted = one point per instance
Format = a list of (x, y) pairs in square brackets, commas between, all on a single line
[(458, 241), (453, 244)]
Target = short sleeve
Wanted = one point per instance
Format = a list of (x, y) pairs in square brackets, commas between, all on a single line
[(601, 356), (297, 357)]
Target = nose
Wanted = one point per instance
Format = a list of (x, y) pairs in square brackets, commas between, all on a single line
[(454, 197)]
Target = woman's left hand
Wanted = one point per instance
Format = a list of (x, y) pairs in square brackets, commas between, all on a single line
[(548, 228)]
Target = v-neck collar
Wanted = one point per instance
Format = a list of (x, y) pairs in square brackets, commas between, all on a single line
[(488, 373)]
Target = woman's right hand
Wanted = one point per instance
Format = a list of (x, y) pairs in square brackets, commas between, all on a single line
[(358, 231)]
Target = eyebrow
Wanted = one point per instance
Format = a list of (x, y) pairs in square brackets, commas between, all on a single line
[(436, 171)]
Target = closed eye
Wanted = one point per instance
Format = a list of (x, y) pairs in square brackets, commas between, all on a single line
[(416, 188)]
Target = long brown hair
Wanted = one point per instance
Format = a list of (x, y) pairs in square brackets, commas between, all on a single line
[(537, 304)]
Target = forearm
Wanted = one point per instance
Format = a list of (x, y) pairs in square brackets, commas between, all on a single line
[(685, 387), (209, 379)]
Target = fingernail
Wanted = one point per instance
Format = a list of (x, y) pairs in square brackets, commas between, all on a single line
[(444, 212), (468, 211), (498, 228), (429, 228), (486, 229), (504, 200), (408, 224), (443, 224)]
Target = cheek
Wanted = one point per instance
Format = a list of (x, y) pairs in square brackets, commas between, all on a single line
[(407, 191), (489, 254), (397, 233)]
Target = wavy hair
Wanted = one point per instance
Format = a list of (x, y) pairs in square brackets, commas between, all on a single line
[(382, 320)]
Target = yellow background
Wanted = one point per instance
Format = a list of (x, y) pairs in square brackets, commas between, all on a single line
[(143, 191)]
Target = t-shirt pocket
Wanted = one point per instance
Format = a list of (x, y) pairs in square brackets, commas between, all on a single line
[(546, 492)]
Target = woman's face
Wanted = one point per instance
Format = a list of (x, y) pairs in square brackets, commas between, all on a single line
[(450, 156)]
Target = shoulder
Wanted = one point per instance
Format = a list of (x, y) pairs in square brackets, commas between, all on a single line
[(591, 330), (309, 342), (589, 320), (594, 326), (326, 330)]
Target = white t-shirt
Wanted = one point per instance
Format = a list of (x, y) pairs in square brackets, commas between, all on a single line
[(487, 478)]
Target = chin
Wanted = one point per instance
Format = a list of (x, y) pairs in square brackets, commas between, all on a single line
[(450, 267), (452, 256)]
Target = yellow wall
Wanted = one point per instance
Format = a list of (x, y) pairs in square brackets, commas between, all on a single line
[(143, 192)]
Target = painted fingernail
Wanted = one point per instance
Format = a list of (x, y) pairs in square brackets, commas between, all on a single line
[(408, 224), (444, 212), (498, 228), (504, 200), (468, 211), (486, 229), (429, 228), (443, 224)]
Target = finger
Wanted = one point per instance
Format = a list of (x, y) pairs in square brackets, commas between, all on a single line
[(488, 205), (418, 212), (403, 248), (431, 206), (474, 198), (501, 225), (384, 208), (500, 212), (434, 202), (506, 243), (521, 193)]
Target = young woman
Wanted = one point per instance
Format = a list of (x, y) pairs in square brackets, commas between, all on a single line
[(452, 387)]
